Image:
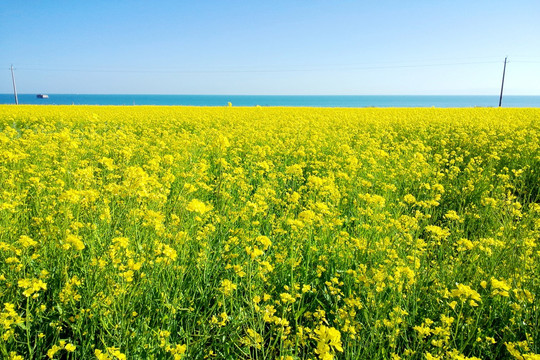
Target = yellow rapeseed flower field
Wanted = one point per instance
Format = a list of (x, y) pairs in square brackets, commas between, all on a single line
[(269, 233)]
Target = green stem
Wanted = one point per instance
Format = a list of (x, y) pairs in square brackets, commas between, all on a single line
[(27, 323)]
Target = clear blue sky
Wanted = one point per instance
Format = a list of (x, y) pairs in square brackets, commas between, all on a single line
[(270, 47)]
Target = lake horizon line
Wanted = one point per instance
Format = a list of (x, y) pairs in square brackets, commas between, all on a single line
[(347, 101)]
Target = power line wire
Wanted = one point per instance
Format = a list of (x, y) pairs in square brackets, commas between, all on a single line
[(315, 69)]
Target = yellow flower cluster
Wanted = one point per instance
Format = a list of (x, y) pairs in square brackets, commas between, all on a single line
[(269, 233)]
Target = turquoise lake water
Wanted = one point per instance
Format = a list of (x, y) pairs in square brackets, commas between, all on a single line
[(278, 100)]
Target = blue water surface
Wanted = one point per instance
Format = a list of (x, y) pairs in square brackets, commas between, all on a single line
[(442, 101)]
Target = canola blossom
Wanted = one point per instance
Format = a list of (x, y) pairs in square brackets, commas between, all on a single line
[(269, 233)]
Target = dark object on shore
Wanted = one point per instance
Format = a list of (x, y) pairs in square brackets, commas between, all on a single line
[(42, 96)]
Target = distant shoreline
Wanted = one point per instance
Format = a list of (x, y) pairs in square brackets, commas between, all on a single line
[(345, 101)]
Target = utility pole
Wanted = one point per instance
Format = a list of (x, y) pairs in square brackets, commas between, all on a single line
[(502, 85), (14, 86)]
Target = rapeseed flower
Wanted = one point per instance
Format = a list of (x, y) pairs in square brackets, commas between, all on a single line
[(269, 232)]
